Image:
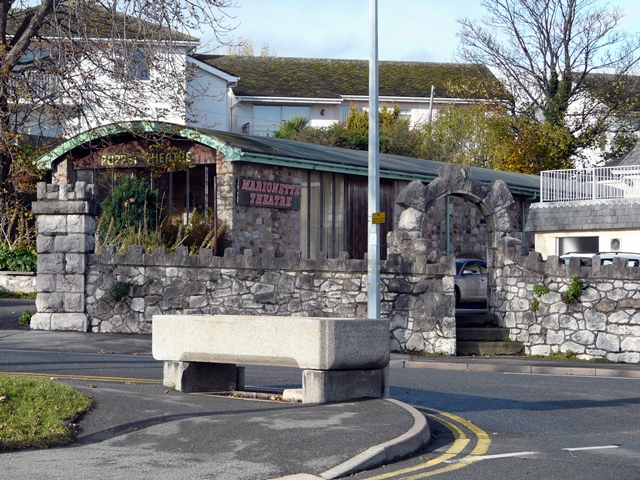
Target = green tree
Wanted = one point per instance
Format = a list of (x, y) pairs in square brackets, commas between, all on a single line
[(396, 135), (621, 144), (474, 135), (565, 62), (532, 147), (131, 204)]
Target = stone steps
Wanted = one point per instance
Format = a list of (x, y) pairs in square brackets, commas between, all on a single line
[(489, 348), (471, 319), (478, 333), (497, 334)]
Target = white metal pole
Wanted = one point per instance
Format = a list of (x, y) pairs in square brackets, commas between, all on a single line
[(373, 252)]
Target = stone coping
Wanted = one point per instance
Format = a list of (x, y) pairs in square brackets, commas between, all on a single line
[(292, 260)]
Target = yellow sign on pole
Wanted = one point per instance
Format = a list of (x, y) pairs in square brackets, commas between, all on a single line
[(379, 218)]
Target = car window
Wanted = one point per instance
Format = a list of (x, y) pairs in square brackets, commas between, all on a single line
[(631, 262), (473, 267)]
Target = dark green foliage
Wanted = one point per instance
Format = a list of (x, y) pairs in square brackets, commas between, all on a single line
[(21, 259), (131, 204), (292, 127), (575, 290), (25, 318), (535, 305), (540, 290), (621, 144), (119, 291)]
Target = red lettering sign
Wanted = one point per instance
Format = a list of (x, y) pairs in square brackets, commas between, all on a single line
[(256, 192)]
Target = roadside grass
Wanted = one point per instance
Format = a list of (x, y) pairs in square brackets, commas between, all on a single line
[(20, 295), (38, 413)]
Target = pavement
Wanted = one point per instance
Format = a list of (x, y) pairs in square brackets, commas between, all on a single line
[(138, 429)]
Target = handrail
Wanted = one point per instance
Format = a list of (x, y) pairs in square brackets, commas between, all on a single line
[(597, 183)]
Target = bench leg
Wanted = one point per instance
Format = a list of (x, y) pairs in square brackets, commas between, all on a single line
[(324, 386), (201, 377)]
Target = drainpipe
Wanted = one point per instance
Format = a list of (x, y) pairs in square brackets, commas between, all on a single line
[(188, 204), (524, 221), (447, 209), (433, 89)]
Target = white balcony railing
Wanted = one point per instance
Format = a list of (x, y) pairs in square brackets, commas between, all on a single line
[(260, 130), (590, 184)]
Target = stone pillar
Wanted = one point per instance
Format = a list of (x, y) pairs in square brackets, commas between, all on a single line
[(66, 226)]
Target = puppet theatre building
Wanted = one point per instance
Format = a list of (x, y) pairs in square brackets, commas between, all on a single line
[(276, 195)]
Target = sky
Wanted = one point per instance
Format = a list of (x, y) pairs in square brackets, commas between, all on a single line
[(408, 30)]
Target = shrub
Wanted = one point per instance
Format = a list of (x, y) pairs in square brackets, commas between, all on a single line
[(535, 305), (131, 204), (25, 318), (21, 259), (540, 290), (575, 290), (119, 291)]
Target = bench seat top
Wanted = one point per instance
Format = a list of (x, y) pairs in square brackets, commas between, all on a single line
[(316, 343)]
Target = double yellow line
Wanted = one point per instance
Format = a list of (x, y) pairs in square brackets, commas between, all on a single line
[(461, 441)]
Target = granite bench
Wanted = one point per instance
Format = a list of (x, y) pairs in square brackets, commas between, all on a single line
[(342, 359)]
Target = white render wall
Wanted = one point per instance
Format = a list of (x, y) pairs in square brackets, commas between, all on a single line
[(161, 98), (546, 243), (210, 99)]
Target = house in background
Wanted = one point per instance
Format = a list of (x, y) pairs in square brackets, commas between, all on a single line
[(114, 69), (266, 91), (588, 210), (209, 92)]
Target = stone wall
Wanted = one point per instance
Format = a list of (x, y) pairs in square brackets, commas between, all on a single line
[(603, 323), (18, 282), (75, 287), (468, 226), (584, 215), (414, 298), (272, 230)]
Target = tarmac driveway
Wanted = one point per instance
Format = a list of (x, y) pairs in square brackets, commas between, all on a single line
[(10, 311)]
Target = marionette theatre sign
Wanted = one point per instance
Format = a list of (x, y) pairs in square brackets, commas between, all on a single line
[(258, 193)]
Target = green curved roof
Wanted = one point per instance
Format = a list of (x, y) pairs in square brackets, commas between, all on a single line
[(274, 151), (330, 78)]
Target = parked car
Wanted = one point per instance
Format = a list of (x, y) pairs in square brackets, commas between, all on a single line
[(470, 281), (606, 258), (584, 257)]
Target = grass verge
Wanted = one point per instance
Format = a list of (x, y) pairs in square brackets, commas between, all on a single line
[(22, 295), (37, 412)]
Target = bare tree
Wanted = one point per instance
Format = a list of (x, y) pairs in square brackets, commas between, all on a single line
[(69, 65), (244, 47), (566, 62)]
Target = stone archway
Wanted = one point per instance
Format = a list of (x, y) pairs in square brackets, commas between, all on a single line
[(493, 200)]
